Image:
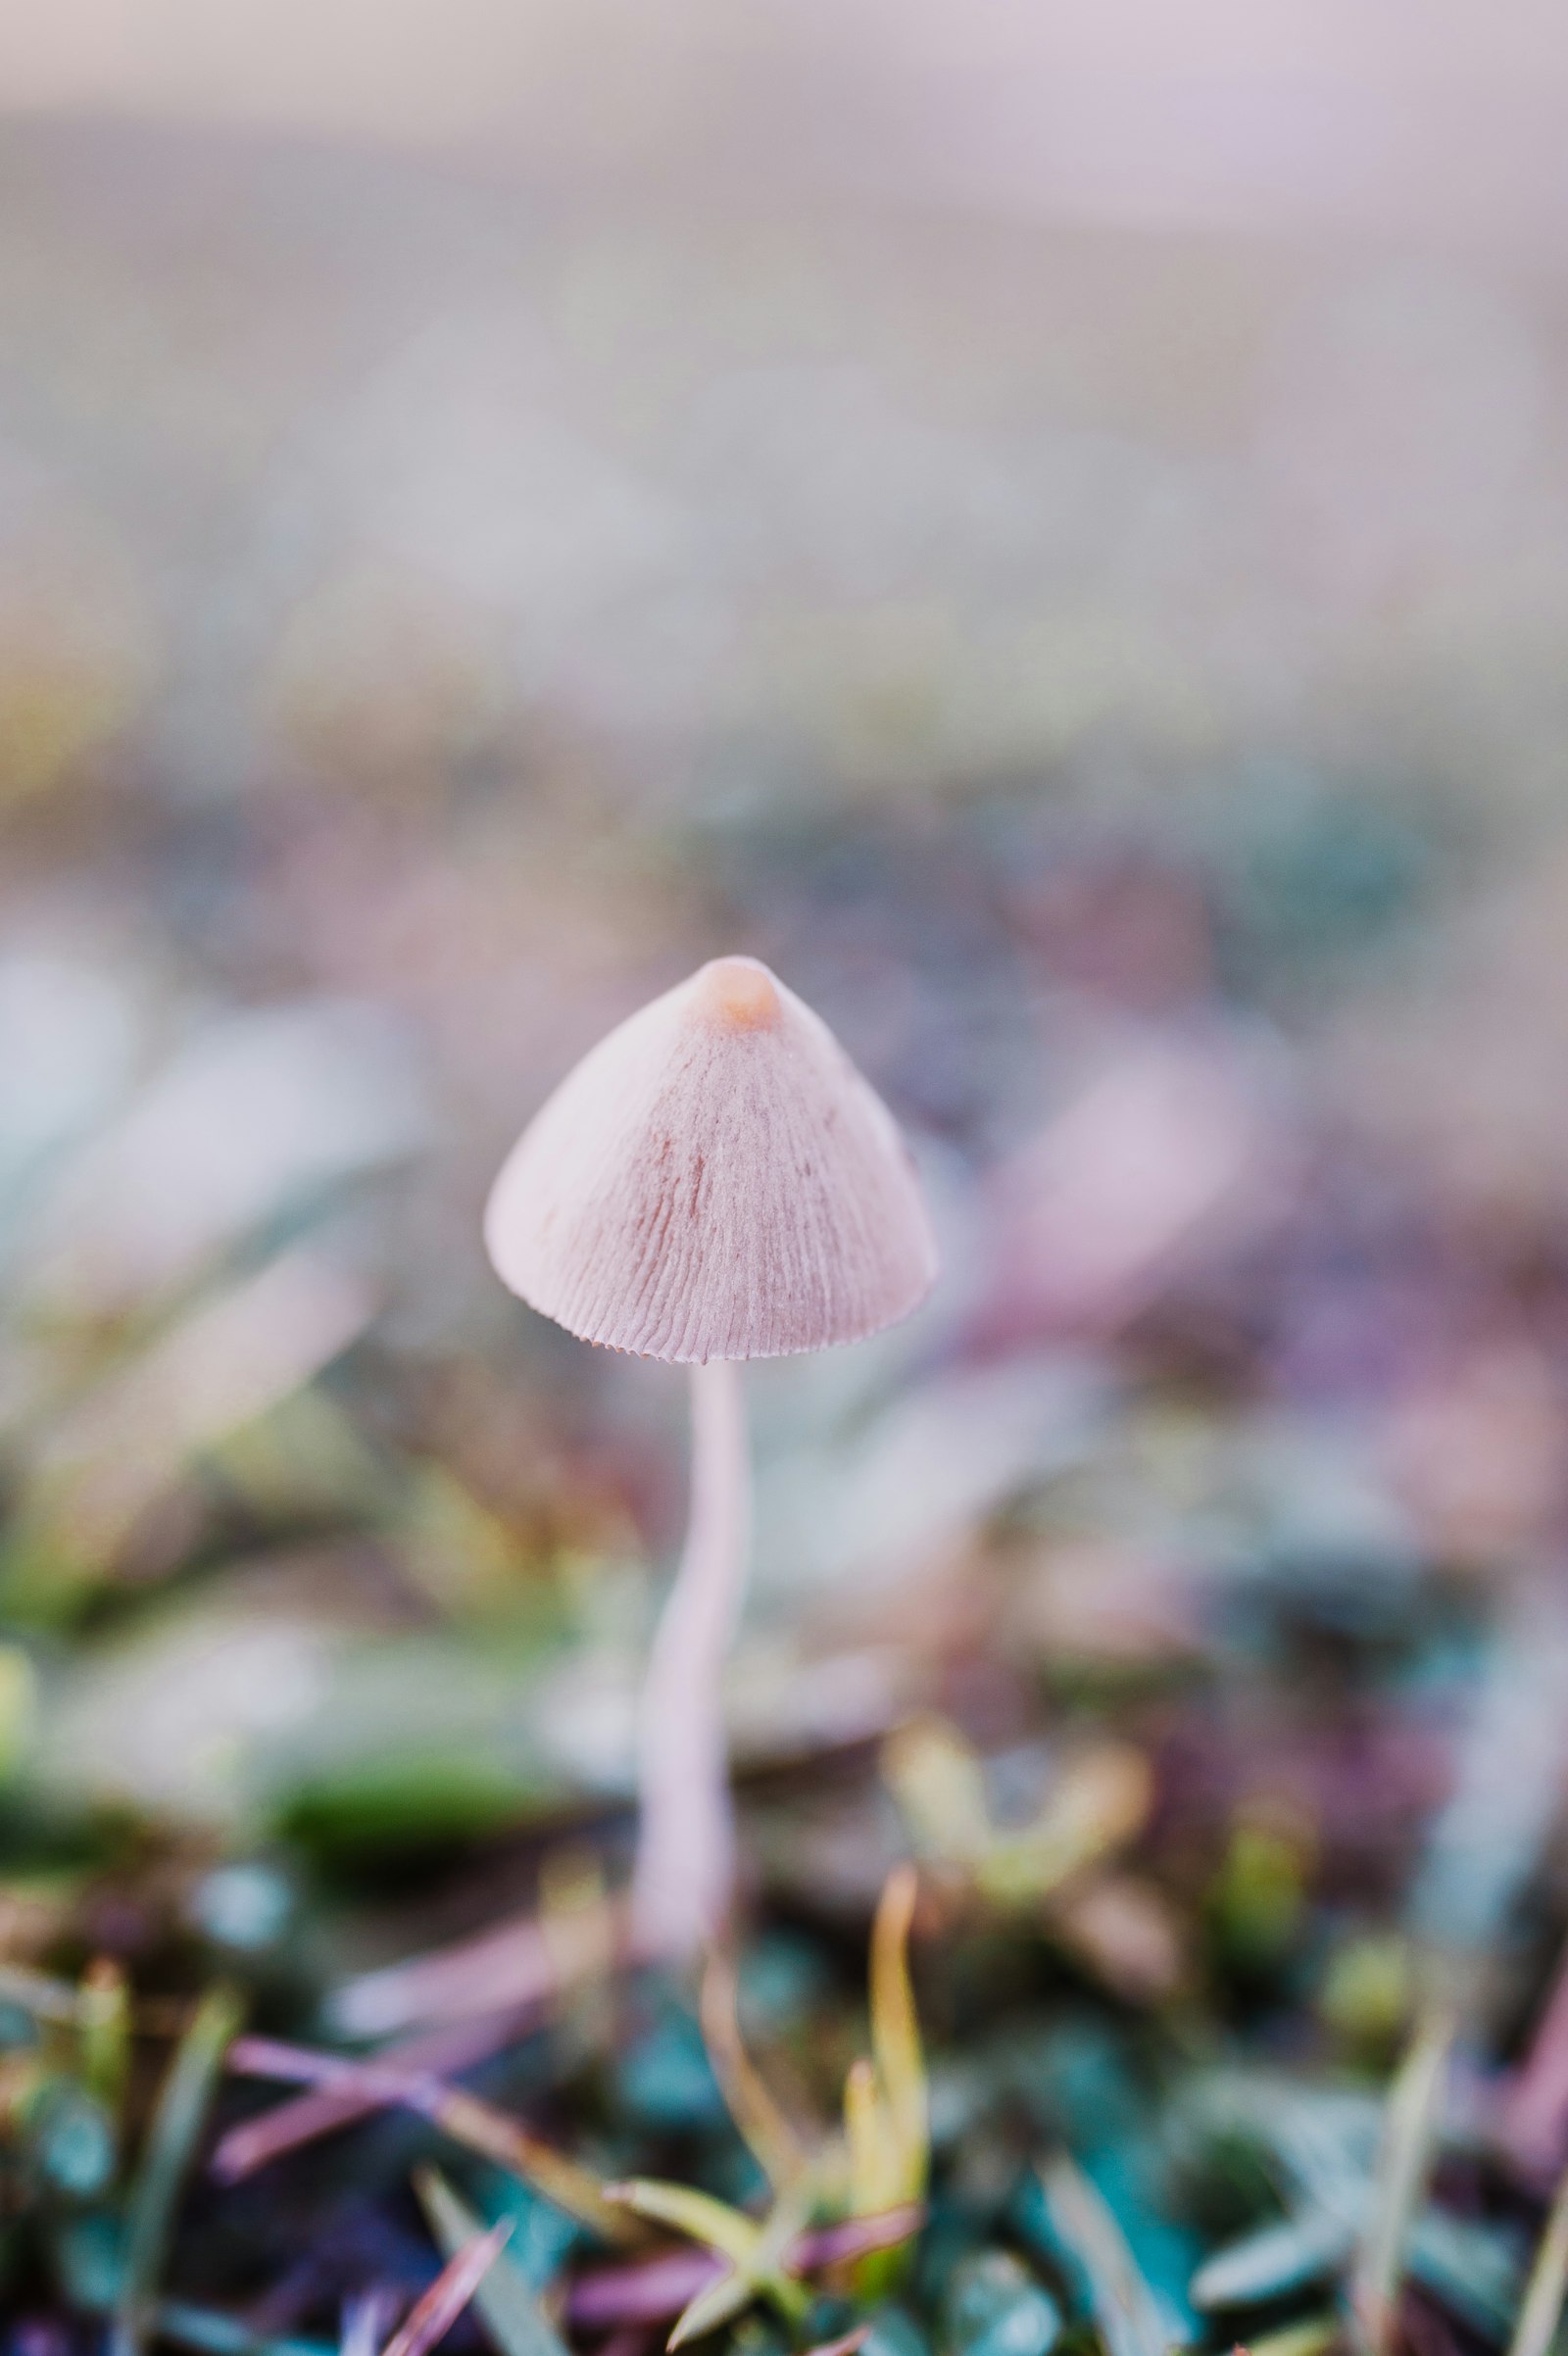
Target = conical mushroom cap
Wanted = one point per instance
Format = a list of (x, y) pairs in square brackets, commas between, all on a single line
[(714, 1180)]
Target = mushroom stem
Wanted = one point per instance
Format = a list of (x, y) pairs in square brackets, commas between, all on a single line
[(686, 1842)]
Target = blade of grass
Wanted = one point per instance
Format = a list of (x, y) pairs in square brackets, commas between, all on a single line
[(517, 2321), (211, 2334), (896, 2034), (1099, 1803), (855, 2237), (1541, 2309), (939, 1783), (1124, 2307), (35, 1993), (365, 2323), (103, 2013), (872, 2162), (719, 2304), (764, 2277), (484, 2128), (697, 2215), (781, 2231), (885, 2100), (1535, 2107), (768, 2135), (518, 1962), (1412, 2120), (845, 2346), (754, 2254), (655, 2288), (170, 2144), (1310, 2337), (433, 2317), (650, 2292), (461, 2116), (436, 2052)]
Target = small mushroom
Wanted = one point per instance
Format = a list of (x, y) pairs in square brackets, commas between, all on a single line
[(713, 1182)]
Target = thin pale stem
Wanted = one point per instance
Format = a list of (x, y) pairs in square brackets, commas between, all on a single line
[(686, 1846)]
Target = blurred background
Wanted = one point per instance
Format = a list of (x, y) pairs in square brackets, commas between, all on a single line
[(1052, 528)]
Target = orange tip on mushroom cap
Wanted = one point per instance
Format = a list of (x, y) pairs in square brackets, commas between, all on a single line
[(739, 994), (714, 1180)]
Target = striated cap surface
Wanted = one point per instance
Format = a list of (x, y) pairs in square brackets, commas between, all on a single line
[(714, 1180)]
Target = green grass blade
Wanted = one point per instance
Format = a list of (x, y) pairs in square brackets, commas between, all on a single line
[(698, 2215), (209, 2335), (1411, 2125), (1124, 2307), (766, 2132), (1549, 2282), (939, 1783), (779, 2234), (103, 2014), (166, 2156), (718, 2304), (511, 2314), (36, 1994), (1312, 2336), (872, 2162), (485, 2130), (762, 2276), (896, 2035)]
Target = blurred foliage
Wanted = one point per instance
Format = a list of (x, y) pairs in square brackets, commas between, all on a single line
[(1120, 684)]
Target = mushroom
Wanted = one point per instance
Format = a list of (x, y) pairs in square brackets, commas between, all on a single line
[(713, 1182)]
